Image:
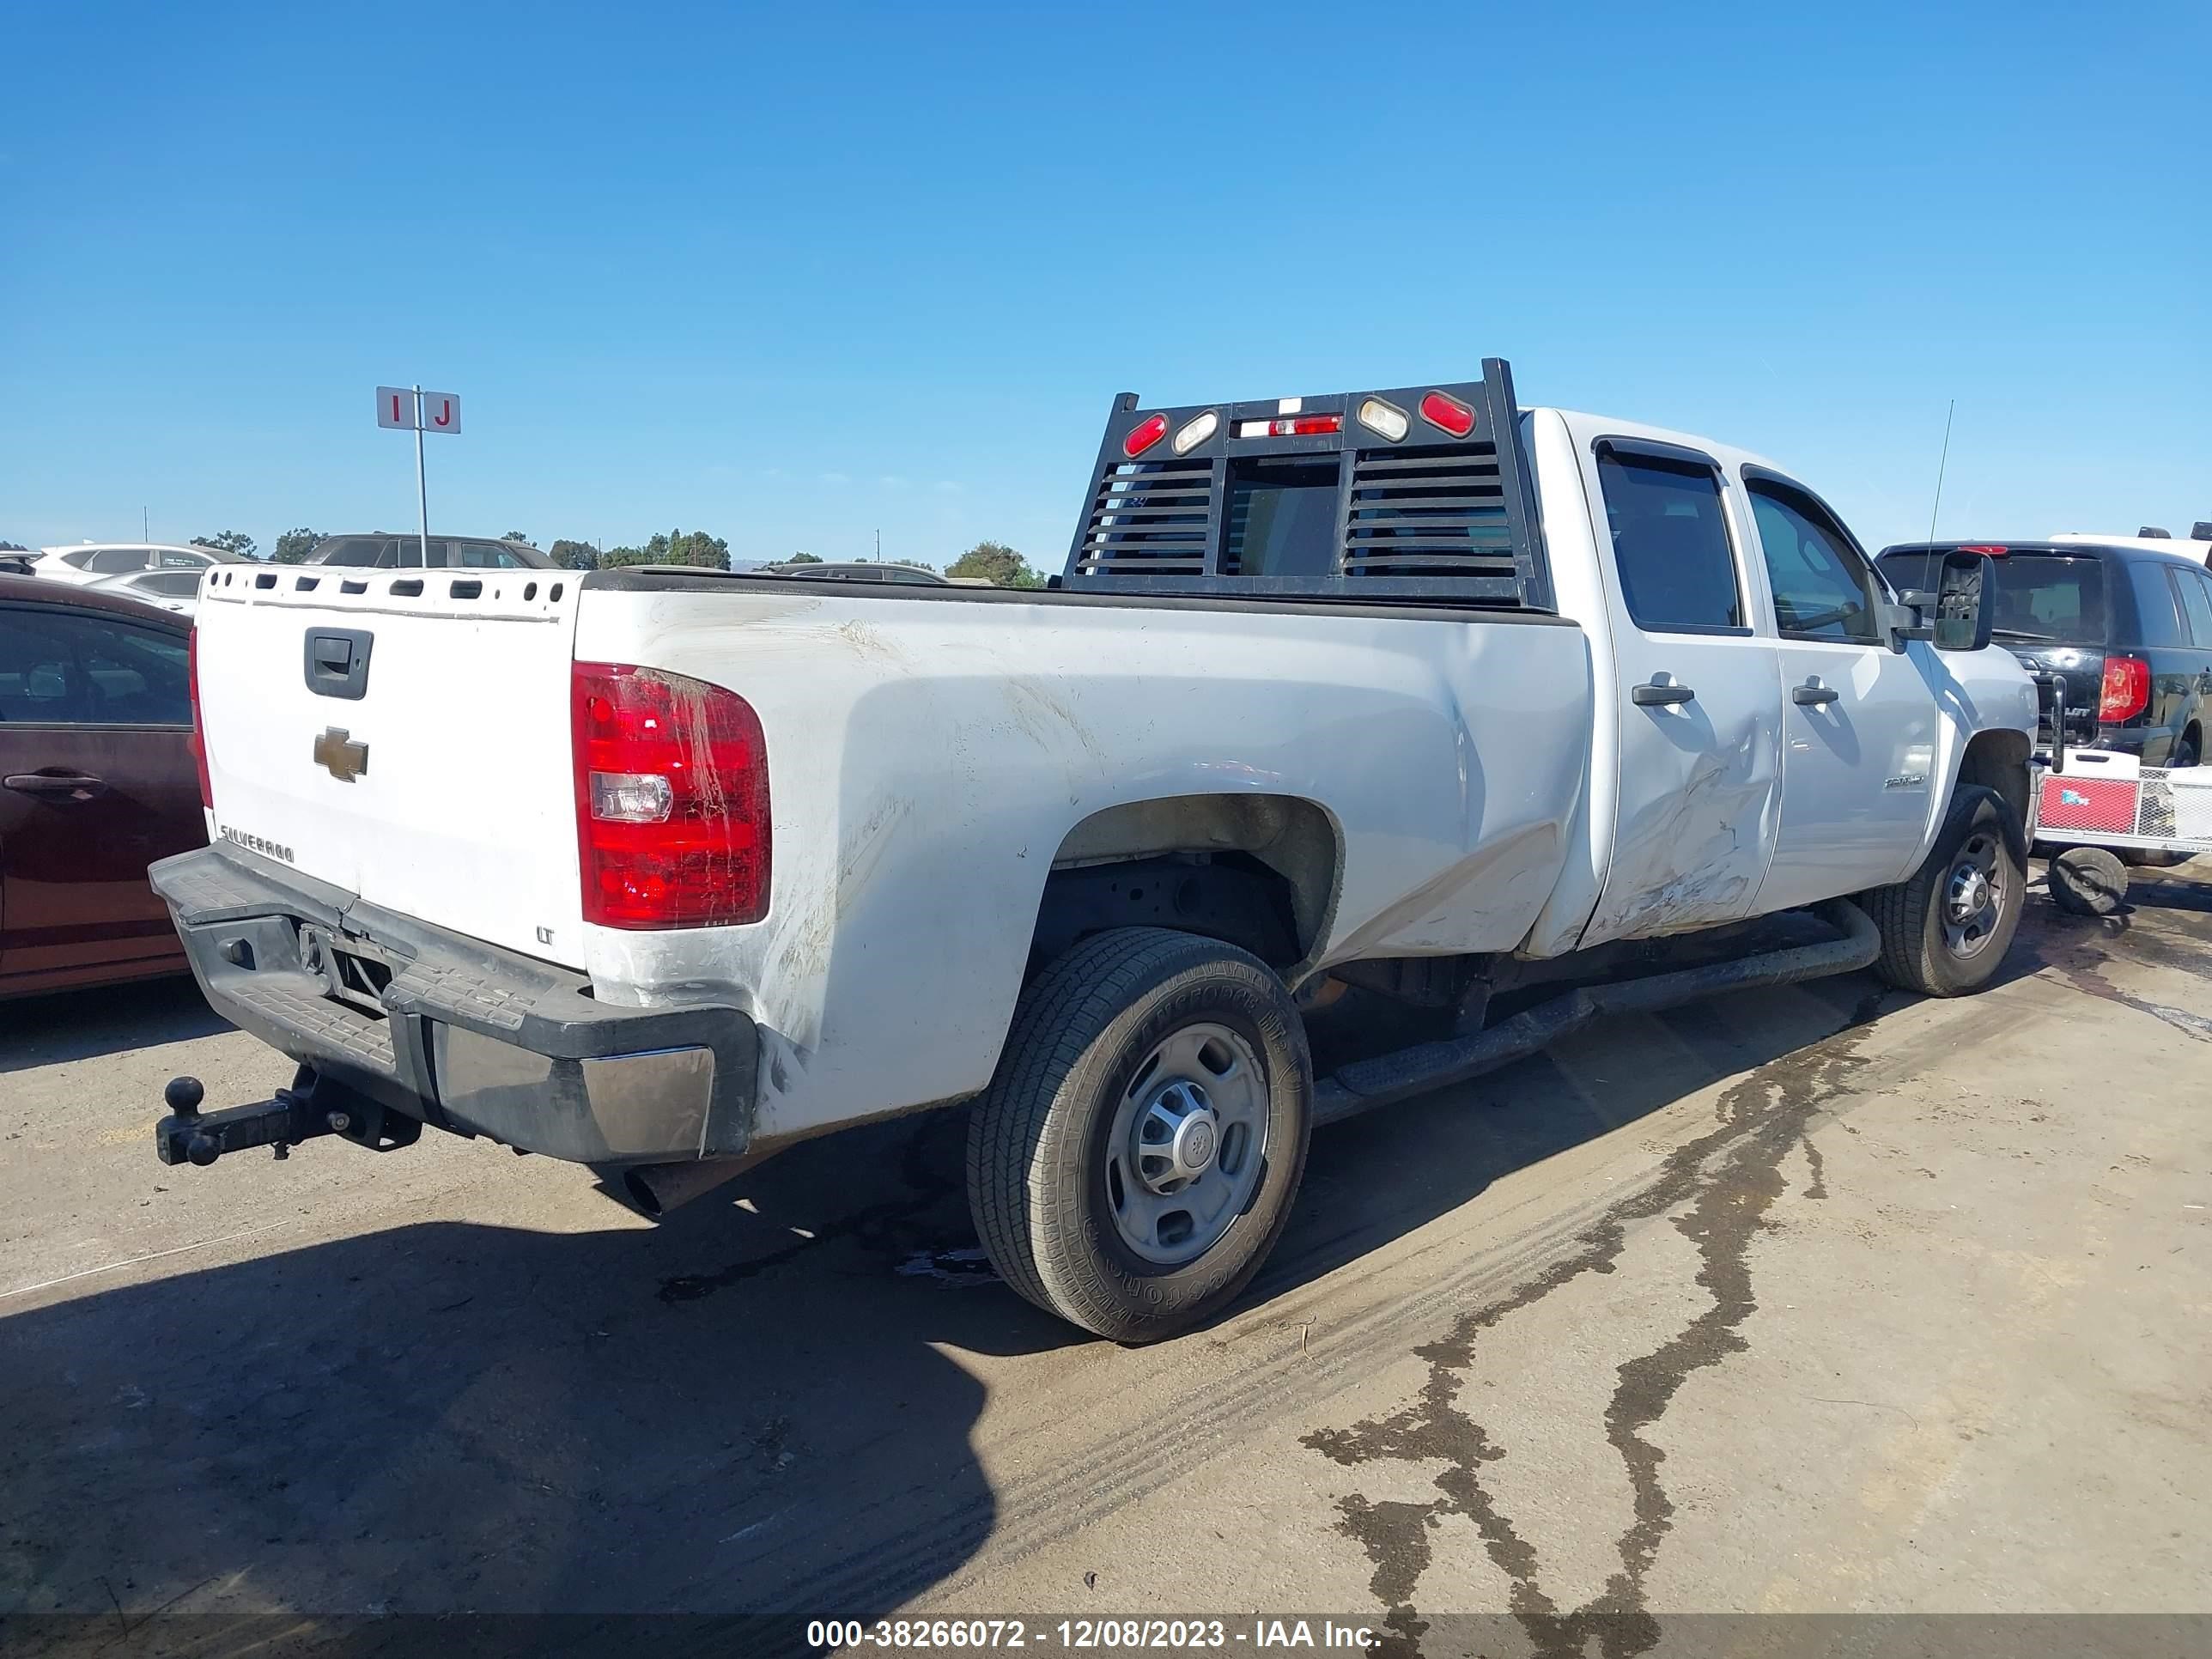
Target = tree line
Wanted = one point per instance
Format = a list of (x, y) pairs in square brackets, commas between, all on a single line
[(991, 561)]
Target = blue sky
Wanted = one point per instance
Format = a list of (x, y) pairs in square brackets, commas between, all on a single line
[(798, 273)]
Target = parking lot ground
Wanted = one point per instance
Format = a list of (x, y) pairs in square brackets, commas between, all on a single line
[(1821, 1299)]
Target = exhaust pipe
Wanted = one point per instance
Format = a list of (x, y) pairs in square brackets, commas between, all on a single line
[(653, 1189)]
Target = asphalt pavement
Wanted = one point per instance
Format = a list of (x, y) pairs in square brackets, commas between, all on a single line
[(1817, 1299)]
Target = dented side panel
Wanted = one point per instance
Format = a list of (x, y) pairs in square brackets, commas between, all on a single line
[(927, 761), (1697, 785)]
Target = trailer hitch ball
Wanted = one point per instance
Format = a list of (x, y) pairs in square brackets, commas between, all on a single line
[(183, 1094)]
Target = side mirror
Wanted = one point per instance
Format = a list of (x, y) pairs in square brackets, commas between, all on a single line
[(1959, 608)]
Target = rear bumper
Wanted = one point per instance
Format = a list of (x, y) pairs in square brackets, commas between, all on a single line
[(473, 1038), (2130, 739)]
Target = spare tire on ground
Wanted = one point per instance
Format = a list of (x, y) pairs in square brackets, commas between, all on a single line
[(2088, 881)]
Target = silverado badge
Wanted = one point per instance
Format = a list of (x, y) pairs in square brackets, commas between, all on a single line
[(345, 760)]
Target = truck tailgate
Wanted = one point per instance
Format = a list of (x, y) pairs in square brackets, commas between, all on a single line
[(403, 736)]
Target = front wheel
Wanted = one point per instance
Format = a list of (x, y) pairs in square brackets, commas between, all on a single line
[(1945, 928), (1134, 1157)]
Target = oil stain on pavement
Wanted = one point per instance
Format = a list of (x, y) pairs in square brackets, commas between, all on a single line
[(1724, 1183)]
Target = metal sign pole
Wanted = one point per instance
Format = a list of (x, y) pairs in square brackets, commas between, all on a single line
[(421, 489)]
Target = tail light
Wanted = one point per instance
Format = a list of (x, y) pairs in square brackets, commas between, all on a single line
[(199, 725), (671, 800), (2126, 691), (1440, 410), (1143, 435)]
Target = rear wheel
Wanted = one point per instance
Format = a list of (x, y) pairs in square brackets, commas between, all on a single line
[(1945, 929), (1134, 1160)]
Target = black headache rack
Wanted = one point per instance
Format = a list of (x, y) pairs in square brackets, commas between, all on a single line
[(1414, 493)]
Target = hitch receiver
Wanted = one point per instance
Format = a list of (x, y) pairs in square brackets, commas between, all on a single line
[(313, 1106)]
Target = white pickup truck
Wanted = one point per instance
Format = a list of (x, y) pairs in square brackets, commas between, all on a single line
[(1411, 696)]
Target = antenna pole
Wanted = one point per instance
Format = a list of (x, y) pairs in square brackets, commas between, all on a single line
[(1940, 466)]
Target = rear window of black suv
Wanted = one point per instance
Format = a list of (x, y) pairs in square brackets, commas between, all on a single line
[(2045, 596)]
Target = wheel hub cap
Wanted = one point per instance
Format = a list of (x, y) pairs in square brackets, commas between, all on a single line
[(1970, 891), (1975, 895), (1177, 1137), (1187, 1144)]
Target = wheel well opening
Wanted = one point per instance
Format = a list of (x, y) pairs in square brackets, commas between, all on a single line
[(1258, 872), (1999, 761)]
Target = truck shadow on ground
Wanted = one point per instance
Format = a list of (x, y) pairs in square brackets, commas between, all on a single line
[(71, 1025), (768, 1403)]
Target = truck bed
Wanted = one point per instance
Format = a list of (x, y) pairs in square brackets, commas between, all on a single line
[(929, 767)]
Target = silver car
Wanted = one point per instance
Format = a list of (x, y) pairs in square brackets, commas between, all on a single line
[(93, 561), (174, 588)]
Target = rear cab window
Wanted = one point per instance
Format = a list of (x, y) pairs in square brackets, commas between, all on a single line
[(1282, 516)]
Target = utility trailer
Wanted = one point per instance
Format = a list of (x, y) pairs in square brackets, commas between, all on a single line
[(2101, 811)]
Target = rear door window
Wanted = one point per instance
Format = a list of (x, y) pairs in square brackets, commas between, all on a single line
[(57, 669), (1670, 542), (2196, 605), (2158, 613), (135, 675), (40, 684)]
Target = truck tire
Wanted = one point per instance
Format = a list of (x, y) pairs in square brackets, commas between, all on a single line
[(2088, 881), (1945, 928), (1134, 1157)]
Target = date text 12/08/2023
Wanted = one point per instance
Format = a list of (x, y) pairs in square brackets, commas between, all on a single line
[(1088, 1635)]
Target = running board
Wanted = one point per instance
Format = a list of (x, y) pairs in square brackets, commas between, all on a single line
[(1368, 1084)]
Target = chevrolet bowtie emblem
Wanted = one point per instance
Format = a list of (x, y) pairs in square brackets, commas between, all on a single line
[(344, 759)]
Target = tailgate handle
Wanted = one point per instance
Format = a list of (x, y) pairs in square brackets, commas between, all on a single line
[(338, 662)]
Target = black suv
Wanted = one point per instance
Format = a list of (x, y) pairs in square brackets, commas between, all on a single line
[(2129, 628)]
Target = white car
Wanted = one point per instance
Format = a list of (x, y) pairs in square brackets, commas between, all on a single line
[(172, 587), (1412, 694), (91, 562)]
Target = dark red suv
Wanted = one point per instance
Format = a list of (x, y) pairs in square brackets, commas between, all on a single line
[(97, 781)]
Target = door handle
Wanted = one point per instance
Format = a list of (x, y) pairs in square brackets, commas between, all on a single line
[(72, 785), (1655, 695), (1812, 696)]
